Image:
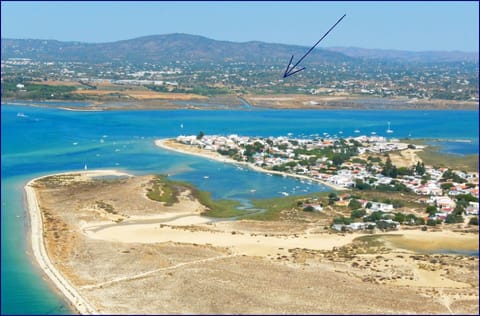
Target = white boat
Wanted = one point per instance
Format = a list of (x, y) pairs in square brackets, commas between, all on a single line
[(389, 131), (356, 131), (21, 114), (284, 193), (205, 177)]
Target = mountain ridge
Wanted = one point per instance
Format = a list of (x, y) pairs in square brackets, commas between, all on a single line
[(182, 46)]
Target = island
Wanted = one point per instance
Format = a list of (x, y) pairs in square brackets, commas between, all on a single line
[(114, 243)]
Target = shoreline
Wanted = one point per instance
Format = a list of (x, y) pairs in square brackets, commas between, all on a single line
[(162, 143), (168, 104), (39, 251), (188, 226)]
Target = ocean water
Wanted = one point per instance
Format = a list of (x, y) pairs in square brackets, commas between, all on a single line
[(49, 140)]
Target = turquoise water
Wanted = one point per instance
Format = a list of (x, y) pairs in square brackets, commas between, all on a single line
[(48, 140)]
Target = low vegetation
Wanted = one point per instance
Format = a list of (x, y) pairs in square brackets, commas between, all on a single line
[(431, 156), (106, 207), (167, 191), (164, 191), (38, 91)]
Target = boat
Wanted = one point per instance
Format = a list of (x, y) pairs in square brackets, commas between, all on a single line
[(389, 131), (20, 114), (181, 125), (356, 131), (284, 193), (205, 177)]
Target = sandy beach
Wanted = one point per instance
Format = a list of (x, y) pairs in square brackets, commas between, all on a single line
[(40, 253), (171, 144), (108, 241), (220, 234)]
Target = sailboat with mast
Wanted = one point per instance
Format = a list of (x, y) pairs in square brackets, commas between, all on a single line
[(389, 130)]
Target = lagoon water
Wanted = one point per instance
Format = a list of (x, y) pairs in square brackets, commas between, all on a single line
[(47, 140)]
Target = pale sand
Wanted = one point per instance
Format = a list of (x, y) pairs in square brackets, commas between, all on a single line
[(173, 145), (38, 244), (221, 235), (425, 240), (185, 225), (246, 243)]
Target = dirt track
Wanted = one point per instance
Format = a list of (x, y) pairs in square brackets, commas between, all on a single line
[(172, 278)]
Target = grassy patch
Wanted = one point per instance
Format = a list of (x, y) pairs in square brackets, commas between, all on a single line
[(408, 199), (274, 206), (370, 244), (215, 208), (106, 207), (431, 156), (164, 190), (167, 191)]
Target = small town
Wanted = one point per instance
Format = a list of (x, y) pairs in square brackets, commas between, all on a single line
[(359, 163), (23, 77)]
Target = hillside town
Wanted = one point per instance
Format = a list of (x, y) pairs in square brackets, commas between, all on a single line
[(447, 81), (359, 163)]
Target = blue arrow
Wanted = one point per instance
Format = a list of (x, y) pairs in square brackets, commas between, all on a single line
[(290, 70)]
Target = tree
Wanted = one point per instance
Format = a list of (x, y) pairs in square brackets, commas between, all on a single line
[(337, 160), (389, 170), (200, 135), (375, 216), (342, 220), (358, 213), (445, 186), (431, 222), (332, 197), (404, 171), (354, 204), (360, 185), (308, 209), (431, 210), (454, 218), (399, 217), (420, 168), (458, 210)]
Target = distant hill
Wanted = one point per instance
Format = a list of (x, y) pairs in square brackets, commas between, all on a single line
[(406, 56), (173, 47), (163, 48)]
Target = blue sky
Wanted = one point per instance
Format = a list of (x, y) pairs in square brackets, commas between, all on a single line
[(416, 26)]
